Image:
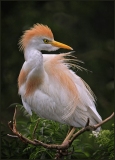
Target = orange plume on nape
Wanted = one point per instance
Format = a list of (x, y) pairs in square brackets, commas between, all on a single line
[(36, 30)]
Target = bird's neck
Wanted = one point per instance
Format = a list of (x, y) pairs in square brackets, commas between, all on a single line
[(30, 52), (34, 60)]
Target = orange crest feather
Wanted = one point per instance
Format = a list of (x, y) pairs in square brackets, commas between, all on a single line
[(36, 30)]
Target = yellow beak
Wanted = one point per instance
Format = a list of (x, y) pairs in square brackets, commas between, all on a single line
[(60, 45)]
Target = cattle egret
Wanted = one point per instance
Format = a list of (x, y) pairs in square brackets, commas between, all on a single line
[(47, 84)]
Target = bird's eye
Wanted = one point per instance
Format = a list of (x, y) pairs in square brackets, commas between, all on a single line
[(45, 40)]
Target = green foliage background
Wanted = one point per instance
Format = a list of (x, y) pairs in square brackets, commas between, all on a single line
[(87, 26)]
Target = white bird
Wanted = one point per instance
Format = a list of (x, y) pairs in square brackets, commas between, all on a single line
[(48, 86)]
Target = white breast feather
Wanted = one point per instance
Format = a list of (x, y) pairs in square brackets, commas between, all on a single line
[(50, 101)]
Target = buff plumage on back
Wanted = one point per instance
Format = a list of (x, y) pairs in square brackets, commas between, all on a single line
[(36, 30)]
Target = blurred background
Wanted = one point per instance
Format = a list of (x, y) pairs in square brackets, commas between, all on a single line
[(86, 26)]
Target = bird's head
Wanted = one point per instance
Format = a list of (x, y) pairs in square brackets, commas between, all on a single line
[(41, 38)]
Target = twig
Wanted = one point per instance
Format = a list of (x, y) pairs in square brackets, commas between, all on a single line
[(104, 121), (12, 136), (14, 121), (33, 134), (87, 123)]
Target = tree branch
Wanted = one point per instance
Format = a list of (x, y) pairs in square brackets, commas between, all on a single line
[(62, 149)]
